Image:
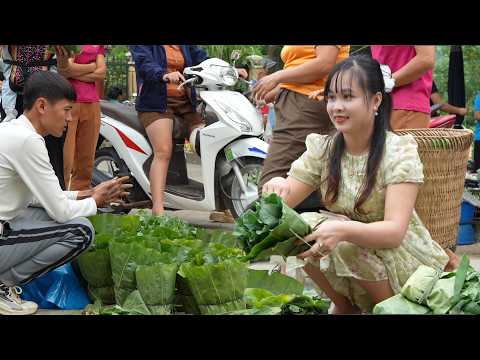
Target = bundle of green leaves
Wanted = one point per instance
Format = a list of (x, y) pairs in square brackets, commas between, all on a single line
[(270, 222)]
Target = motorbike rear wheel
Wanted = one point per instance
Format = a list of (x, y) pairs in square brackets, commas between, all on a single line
[(231, 193)]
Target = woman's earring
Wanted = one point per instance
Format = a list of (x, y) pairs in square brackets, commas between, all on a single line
[(376, 113)]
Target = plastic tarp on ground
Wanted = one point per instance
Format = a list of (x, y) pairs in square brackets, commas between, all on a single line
[(58, 289)]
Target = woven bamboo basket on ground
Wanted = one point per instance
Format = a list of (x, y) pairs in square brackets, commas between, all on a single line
[(444, 154)]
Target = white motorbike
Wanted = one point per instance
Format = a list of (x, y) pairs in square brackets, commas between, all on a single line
[(230, 147)]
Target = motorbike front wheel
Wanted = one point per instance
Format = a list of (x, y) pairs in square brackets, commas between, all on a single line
[(231, 192), (106, 166)]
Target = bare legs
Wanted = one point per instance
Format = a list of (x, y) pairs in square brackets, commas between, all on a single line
[(377, 290), (160, 135), (342, 304)]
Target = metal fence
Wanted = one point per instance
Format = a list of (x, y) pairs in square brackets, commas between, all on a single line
[(117, 73)]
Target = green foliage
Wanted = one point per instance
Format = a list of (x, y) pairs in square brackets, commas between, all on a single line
[(270, 228), (118, 50), (224, 51), (471, 60)]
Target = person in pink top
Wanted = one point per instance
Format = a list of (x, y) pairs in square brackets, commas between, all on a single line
[(411, 67), (83, 71)]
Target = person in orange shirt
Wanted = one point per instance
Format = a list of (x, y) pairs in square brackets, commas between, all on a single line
[(306, 68)]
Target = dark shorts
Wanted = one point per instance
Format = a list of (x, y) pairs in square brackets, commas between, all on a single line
[(176, 107)]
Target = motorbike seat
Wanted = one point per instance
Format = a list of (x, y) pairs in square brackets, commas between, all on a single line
[(446, 121), (123, 113)]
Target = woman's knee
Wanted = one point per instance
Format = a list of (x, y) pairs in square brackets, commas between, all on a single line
[(163, 152)]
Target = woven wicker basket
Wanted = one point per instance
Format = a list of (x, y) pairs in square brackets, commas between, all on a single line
[(444, 154)]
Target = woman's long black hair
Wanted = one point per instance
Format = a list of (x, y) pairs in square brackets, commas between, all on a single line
[(369, 77)]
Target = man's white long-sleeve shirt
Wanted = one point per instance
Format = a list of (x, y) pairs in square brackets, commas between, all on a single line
[(26, 176)]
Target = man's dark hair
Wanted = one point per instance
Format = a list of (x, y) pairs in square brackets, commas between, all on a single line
[(114, 92), (49, 85)]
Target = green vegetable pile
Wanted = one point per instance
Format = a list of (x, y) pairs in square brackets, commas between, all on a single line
[(142, 265), (271, 228), (139, 262), (427, 292)]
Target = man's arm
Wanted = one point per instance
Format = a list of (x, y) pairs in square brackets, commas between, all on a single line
[(35, 169), (446, 107), (416, 67)]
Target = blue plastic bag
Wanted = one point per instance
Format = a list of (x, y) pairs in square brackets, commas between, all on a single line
[(58, 289)]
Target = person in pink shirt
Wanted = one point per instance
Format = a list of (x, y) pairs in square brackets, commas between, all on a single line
[(84, 70), (411, 67)]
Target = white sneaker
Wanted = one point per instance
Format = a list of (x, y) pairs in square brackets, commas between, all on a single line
[(11, 304)]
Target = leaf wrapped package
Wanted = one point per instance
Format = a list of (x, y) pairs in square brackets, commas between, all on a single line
[(95, 268), (94, 264), (105, 295), (125, 257), (399, 305), (420, 284), (220, 283), (135, 304), (456, 292), (156, 284), (440, 298)]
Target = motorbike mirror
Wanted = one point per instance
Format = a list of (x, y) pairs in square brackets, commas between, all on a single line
[(269, 65)]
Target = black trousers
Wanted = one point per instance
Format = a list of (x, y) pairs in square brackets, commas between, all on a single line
[(54, 147)]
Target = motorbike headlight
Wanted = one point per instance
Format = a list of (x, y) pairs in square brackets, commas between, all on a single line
[(229, 76)]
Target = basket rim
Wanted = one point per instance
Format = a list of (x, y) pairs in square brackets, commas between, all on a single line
[(428, 133)]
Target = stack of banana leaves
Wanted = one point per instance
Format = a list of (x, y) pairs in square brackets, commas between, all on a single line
[(161, 265)]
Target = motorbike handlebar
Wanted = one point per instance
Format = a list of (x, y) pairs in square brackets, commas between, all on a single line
[(195, 80)]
